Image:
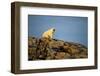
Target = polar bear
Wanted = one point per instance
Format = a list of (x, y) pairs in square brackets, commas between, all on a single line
[(49, 33)]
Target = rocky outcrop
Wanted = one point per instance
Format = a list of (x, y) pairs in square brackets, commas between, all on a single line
[(46, 49)]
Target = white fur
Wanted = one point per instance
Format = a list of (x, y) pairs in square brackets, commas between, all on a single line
[(48, 34)]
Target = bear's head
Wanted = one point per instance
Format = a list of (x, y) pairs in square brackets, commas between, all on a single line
[(53, 30)]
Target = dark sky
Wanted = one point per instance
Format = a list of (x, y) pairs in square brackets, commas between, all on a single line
[(72, 29)]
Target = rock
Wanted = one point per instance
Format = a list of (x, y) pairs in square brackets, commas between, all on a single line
[(65, 47), (74, 51), (56, 44), (48, 49), (30, 41), (31, 53), (50, 54), (67, 55), (60, 55)]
